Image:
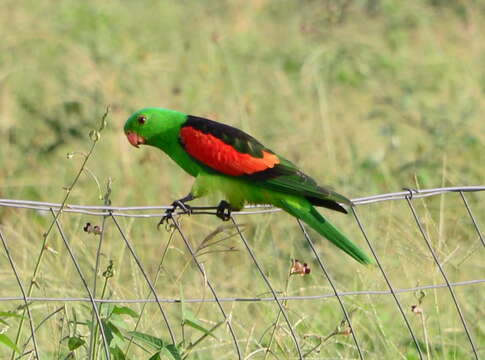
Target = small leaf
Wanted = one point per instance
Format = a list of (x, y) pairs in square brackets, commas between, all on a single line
[(113, 334), (169, 350), (4, 339), (115, 330), (174, 351), (155, 356), (107, 331), (200, 339), (156, 343), (9, 314), (74, 342), (117, 353), (106, 310), (118, 321), (124, 310), (190, 320)]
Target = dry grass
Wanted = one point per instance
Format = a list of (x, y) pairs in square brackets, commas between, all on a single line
[(365, 100)]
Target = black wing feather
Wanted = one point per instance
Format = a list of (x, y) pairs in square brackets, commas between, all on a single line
[(284, 177)]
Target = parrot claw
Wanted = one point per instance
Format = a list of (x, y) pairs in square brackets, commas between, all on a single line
[(224, 211), (186, 209)]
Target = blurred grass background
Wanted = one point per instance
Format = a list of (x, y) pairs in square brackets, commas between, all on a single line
[(367, 96)]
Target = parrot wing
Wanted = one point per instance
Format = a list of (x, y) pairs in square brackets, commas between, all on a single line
[(232, 152)]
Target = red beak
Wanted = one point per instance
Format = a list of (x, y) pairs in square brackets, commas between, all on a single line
[(135, 139)]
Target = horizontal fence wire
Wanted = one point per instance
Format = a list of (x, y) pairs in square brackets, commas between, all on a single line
[(134, 211), (280, 299), (245, 299)]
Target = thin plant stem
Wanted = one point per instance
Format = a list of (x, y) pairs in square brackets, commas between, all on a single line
[(275, 327), (69, 189), (157, 275), (425, 333), (85, 284), (107, 202), (19, 281), (95, 335)]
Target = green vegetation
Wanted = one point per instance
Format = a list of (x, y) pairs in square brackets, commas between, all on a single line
[(368, 96)]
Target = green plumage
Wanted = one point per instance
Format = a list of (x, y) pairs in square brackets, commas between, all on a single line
[(232, 164)]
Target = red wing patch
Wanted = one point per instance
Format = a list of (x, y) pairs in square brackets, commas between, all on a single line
[(222, 157)]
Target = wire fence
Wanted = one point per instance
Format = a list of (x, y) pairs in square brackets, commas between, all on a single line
[(113, 213)]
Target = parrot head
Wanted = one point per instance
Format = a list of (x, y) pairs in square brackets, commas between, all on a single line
[(148, 125)]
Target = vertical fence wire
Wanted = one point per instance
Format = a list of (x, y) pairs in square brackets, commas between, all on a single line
[(22, 290), (388, 282), (212, 289), (85, 284), (472, 217), (145, 275), (268, 283), (442, 271), (334, 289)]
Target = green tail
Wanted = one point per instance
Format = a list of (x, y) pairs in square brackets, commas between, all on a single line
[(312, 217)]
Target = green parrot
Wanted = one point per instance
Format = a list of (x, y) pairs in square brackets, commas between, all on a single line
[(228, 161)]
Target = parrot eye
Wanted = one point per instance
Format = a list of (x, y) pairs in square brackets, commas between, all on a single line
[(142, 119)]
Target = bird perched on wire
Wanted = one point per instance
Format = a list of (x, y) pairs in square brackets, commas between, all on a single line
[(226, 160)]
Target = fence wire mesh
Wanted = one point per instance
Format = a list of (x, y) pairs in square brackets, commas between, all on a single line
[(279, 298)]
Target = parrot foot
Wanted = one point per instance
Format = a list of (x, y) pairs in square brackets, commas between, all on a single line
[(224, 211), (186, 209)]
